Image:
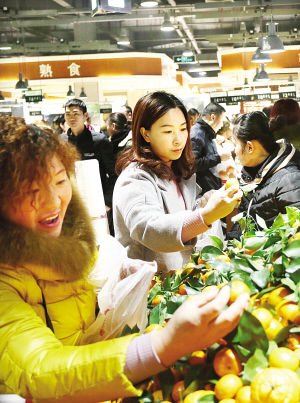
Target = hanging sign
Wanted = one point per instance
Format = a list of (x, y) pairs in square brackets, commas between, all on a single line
[(35, 113), (33, 96), (184, 59)]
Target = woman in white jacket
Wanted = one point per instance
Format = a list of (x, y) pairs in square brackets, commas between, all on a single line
[(155, 197)]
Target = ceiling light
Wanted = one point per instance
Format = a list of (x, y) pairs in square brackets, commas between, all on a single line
[(148, 3), (256, 74), (82, 94), (21, 85), (259, 57), (188, 51), (272, 43), (167, 26), (243, 26), (263, 75), (5, 47), (123, 38), (1, 96), (70, 92)]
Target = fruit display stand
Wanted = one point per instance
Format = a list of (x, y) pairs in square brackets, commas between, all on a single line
[(259, 360)]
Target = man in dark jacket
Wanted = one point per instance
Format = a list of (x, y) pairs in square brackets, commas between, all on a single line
[(203, 133), (270, 175), (91, 145)]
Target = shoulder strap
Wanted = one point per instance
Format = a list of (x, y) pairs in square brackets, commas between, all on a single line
[(48, 320)]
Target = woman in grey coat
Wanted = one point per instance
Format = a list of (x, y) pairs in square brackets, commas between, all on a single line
[(155, 197)]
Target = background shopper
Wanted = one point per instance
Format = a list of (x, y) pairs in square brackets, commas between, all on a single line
[(203, 134), (91, 145), (271, 170), (285, 120)]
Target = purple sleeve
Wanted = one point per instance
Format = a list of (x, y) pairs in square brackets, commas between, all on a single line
[(193, 226), (141, 359)]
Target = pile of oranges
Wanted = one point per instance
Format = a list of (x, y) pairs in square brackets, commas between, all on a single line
[(278, 378)]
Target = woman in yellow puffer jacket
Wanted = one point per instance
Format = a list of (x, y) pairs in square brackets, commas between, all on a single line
[(46, 304)]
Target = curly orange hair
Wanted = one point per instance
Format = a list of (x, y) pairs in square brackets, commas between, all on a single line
[(24, 152)]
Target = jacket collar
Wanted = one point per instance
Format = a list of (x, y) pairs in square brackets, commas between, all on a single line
[(208, 129), (170, 203), (67, 257), (273, 163)]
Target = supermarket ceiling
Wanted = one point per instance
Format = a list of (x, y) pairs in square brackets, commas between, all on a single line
[(53, 27)]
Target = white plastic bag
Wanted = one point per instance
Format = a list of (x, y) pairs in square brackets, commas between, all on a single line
[(225, 169), (122, 285)]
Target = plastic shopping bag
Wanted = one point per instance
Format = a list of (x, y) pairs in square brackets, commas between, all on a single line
[(225, 169), (122, 285)]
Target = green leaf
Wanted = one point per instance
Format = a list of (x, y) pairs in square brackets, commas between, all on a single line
[(128, 330), (261, 222), (194, 257), (217, 242), (167, 285), (176, 283), (257, 362), (278, 222), (292, 212), (294, 266), (261, 278), (194, 379), (257, 263), (272, 346), (288, 282), (250, 333), (208, 398), (144, 399), (174, 303), (242, 352), (209, 252), (241, 263), (156, 289), (194, 284), (295, 277), (166, 380), (272, 241), (293, 250), (282, 335), (248, 188), (158, 314), (254, 242), (237, 217)]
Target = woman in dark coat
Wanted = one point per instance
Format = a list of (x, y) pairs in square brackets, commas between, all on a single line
[(271, 170), (285, 120), (119, 131)]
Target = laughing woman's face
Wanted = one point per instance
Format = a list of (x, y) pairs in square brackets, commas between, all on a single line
[(44, 204)]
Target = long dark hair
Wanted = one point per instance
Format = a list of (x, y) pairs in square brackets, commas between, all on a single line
[(147, 111), (284, 112), (255, 126), (119, 119)]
